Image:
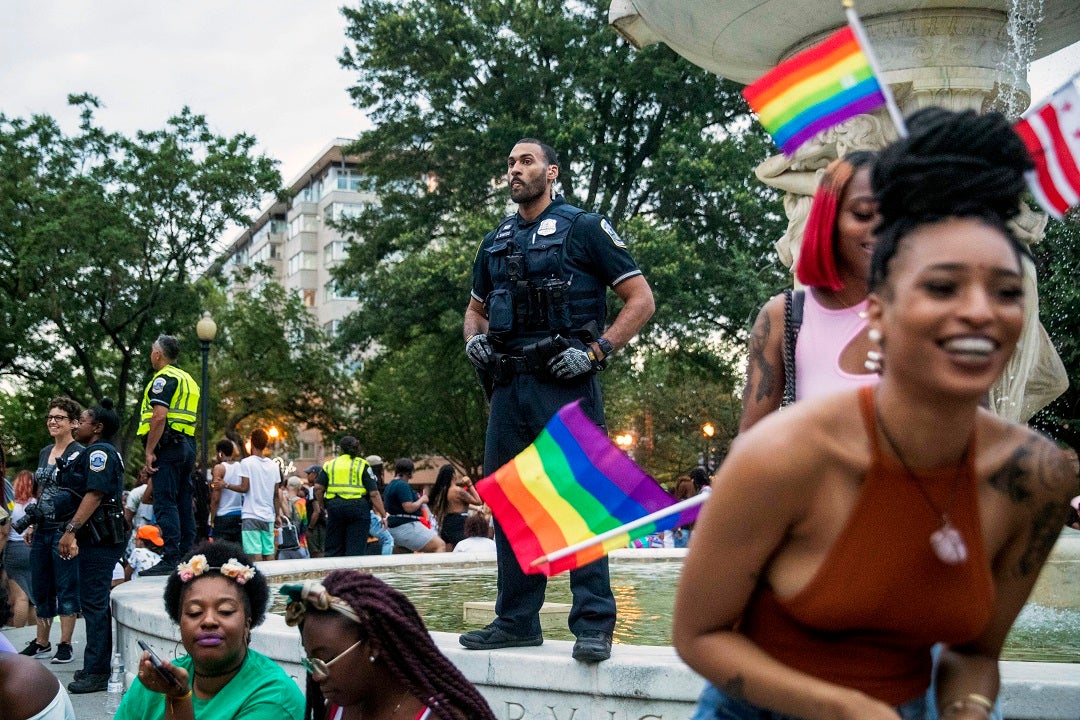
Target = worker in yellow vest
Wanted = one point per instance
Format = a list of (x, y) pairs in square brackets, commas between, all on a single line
[(167, 425), (347, 488)]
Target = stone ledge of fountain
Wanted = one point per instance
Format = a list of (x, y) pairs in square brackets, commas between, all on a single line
[(545, 683)]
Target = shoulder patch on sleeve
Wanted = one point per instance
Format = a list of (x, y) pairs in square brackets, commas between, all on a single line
[(98, 460), (158, 386), (606, 227)]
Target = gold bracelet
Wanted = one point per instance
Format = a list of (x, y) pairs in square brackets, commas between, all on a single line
[(169, 700), (972, 699)]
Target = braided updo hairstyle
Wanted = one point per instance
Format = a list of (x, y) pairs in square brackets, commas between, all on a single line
[(395, 631), (952, 164)]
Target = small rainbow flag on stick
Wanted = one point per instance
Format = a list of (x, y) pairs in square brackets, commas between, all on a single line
[(573, 496), (821, 87)]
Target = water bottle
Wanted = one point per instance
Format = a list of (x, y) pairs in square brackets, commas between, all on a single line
[(115, 689)]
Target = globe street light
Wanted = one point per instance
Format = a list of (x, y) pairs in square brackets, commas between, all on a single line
[(708, 430), (206, 329)]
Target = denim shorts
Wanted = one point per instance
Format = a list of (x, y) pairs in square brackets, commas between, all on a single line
[(716, 705), (54, 581)]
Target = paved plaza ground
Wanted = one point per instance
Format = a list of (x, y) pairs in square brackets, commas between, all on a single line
[(87, 707)]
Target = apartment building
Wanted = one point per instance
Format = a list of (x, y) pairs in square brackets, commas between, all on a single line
[(295, 241)]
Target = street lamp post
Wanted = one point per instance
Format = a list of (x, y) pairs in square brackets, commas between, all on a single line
[(708, 430), (206, 329)]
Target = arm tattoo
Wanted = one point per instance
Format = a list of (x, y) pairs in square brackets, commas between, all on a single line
[(735, 687), (1009, 478), (766, 370), (1045, 527)]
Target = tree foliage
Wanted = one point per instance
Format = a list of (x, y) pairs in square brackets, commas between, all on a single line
[(271, 364), (1058, 261), (101, 236), (662, 147)]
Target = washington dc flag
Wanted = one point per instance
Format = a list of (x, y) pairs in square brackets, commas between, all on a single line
[(1052, 136)]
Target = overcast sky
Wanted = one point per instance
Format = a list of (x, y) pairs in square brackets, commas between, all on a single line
[(266, 67)]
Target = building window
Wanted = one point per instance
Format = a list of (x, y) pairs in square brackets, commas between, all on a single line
[(332, 328), (307, 296), (334, 293), (270, 251), (340, 210), (303, 223), (301, 261), (335, 251)]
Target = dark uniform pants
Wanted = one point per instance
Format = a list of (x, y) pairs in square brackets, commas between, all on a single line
[(173, 509), (95, 582), (519, 412), (347, 526)]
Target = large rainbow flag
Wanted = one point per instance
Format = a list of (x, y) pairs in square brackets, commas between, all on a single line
[(572, 484), (818, 88)]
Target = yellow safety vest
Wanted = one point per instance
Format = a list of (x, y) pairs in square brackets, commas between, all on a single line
[(183, 406), (346, 476)]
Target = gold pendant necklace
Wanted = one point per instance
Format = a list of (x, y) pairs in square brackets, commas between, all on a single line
[(946, 542)]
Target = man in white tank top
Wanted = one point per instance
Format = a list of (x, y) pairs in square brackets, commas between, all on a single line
[(226, 506)]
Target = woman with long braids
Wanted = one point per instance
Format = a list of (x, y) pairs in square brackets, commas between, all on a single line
[(370, 656), (830, 348), (848, 535)]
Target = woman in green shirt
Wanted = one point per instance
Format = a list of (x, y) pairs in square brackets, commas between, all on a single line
[(216, 596)]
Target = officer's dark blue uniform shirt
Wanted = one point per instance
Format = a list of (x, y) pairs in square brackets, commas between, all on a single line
[(563, 243)]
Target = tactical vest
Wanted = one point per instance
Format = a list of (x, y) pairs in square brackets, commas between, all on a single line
[(183, 406), (534, 293), (346, 475)]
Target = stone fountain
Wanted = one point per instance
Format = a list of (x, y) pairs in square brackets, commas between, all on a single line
[(957, 54)]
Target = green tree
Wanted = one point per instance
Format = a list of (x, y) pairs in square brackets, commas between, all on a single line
[(1058, 260), (101, 236), (662, 147), (271, 364)]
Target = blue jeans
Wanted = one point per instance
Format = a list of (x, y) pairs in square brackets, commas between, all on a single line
[(716, 705), (54, 581), (95, 581), (383, 534), (347, 525), (174, 512)]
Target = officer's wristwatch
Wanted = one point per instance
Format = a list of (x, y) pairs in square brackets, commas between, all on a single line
[(605, 347), (71, 528)]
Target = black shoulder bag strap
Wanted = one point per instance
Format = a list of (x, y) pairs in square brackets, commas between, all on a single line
[(793, 316)]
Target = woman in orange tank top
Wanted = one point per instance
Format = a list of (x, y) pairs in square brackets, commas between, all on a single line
[(847, 535)]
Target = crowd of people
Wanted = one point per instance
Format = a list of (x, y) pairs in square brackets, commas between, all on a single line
[(861, 555)]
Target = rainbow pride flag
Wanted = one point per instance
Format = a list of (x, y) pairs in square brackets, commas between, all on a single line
[(818, 88), (571, 484)]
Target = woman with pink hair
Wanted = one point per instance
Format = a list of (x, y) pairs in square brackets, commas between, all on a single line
[(827, 350)]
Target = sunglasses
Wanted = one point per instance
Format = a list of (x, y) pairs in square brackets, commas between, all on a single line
[(320, 670)]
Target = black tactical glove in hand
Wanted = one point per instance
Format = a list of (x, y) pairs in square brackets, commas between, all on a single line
[(570, 363), (479, 350)]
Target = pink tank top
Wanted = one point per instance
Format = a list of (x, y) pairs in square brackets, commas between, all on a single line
[(822, 338)]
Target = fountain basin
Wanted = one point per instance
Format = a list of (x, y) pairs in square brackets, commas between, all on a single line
[(638, 683)]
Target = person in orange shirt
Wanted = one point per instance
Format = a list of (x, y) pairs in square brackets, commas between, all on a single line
[(849, 534)]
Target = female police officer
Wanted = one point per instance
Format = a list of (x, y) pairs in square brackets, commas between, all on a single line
[(95, 535)]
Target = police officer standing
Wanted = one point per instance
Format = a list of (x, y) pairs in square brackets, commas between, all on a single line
[(347, 488), (534, 328), (167, 425), (95, 536)]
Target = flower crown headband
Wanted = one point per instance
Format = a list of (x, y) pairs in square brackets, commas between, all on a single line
[(313, 593), (198, 565)]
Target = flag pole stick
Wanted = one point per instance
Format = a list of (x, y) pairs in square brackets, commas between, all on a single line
[(622, 529), (1059, 88), (864, 42)]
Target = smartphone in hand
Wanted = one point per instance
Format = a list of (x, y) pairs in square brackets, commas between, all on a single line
[(160, 667)]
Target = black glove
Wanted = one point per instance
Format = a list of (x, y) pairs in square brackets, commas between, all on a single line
[(570, 363), (479, 350)]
